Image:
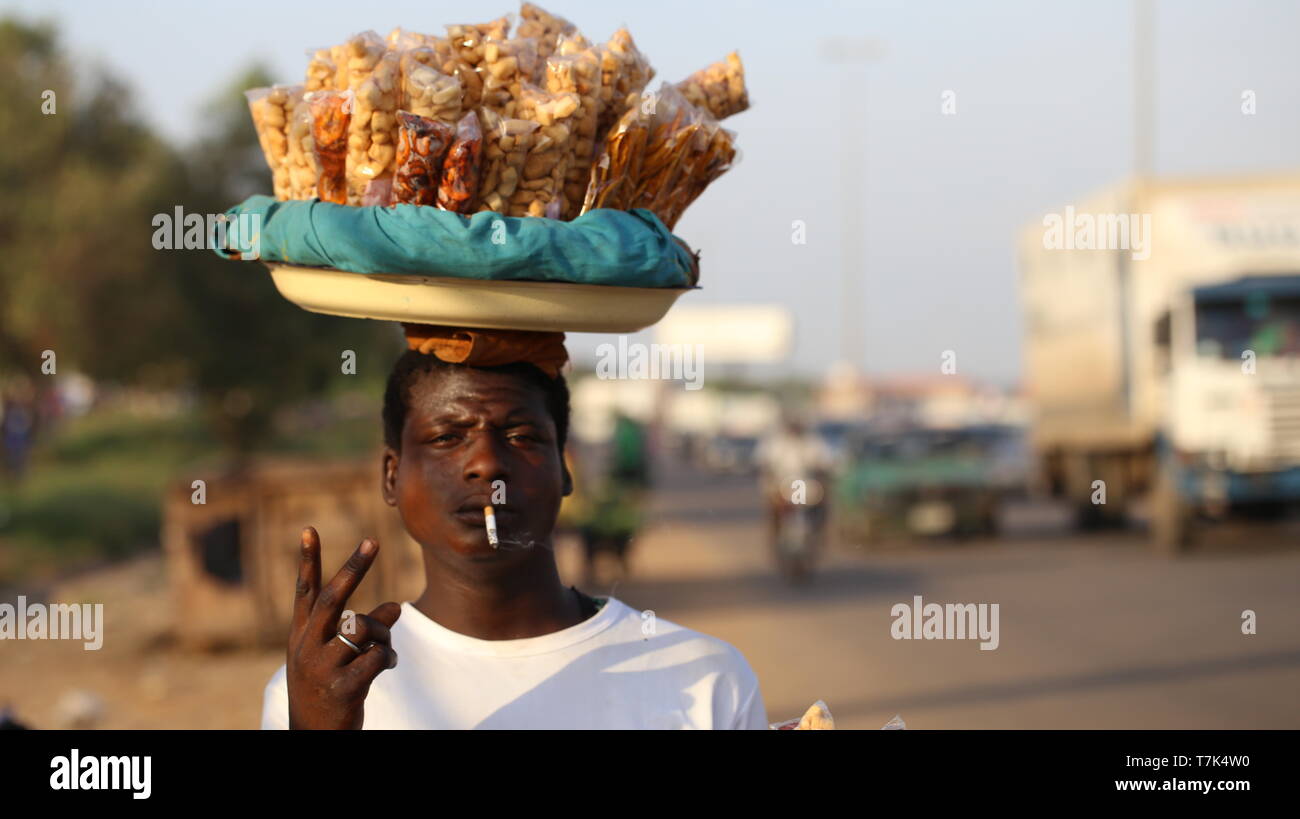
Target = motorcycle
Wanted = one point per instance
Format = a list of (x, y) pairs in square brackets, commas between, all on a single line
[(800, 523)]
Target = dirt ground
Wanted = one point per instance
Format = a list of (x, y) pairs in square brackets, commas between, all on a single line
[(1096, 631)]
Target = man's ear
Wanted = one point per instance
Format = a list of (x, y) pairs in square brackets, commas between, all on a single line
[(388, 475), (567, 479)]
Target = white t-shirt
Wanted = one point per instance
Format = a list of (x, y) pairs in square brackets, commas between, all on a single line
[(601, 673)]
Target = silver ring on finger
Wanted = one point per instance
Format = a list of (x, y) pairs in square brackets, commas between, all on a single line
[(349, 643)]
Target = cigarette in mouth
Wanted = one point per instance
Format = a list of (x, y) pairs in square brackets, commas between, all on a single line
[(490, 522)]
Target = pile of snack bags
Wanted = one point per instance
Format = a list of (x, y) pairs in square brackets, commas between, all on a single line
[(541, 122)]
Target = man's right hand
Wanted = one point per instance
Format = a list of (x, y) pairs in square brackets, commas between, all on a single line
[(327, 679)]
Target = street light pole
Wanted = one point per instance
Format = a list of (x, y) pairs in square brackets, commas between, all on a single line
[(852, 53)]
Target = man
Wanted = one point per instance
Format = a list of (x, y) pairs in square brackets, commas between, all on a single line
[(791, 453), (496, 640)]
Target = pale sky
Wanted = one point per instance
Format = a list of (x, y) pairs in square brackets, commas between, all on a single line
[(1044, 115)]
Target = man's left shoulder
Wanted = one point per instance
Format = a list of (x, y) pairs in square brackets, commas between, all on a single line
[(675, 643)]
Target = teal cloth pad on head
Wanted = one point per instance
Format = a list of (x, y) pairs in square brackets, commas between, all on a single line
[(610, 247)]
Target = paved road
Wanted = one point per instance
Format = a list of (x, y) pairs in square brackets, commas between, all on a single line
[(1094, 632)]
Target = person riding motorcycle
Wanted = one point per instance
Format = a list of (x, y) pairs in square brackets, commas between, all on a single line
[(794, 466)]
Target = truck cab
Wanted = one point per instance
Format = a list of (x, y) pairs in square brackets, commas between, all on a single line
[(1231, 436)]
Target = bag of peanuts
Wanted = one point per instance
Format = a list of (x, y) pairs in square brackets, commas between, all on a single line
[(422, 144), (272, 109), (577, 73), (468, 39), (331, 113), (300, 156), (459, 185), (541, 186), (506, 144), (507, 65), (625, 72), (544, 27), (372, 72), (718, 88), (321, 70), (427, 91)]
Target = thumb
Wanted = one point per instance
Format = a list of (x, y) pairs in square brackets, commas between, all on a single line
[(387, 613)]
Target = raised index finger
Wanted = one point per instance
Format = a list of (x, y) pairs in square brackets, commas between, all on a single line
[(332, 599), (308, 586)]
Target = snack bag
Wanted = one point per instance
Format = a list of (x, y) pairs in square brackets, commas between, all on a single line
[(373, 77), (720, 155), (400, 39), (506, 66), (272, 109), (507, 143), (458, 187), (427, 91), (675, 125), (321, 70), (577, 73), (449, 60), (625, 72), (615, 173), (719, 88), (544, 27), (541, 184), (467, 39), (331, 113), (816, 718), (300, 157), (422, 144)]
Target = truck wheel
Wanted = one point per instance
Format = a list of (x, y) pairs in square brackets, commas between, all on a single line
[(1171, 519)]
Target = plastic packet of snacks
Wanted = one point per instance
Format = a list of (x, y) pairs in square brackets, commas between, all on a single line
[(459, 185), (331, 111), (578, 73), (544, 27), (272, 109), (506, 145), (718, 88), (426, 90), (300, 158), (506, 66), (373, 73), (541, 183), (422, 144), (625, 72)]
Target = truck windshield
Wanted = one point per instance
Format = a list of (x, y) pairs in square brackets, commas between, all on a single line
[(1267, 323)]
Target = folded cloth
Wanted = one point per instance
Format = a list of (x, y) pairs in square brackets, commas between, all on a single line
[(603, 246), (489, 348)]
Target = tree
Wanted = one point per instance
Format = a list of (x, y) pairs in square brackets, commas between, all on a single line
[(81, 276)]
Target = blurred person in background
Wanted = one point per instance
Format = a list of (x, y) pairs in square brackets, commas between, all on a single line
[(791, 452), (16, 430), (612, 511)]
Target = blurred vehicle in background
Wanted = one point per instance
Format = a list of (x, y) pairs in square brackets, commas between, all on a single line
[(1169, 368), (729, 454), (926, 481), (836, 434)]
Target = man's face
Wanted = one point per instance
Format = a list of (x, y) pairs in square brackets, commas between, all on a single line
[(465, 430)]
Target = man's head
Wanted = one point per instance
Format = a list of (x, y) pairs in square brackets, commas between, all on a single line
[(458, 438)]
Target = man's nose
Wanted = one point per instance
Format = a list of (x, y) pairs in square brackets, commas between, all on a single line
[(486, 460)]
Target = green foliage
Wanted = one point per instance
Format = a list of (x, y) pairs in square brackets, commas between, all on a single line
[(80, 275)]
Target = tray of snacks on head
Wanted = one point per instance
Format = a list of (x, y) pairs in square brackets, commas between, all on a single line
[(510, 174)]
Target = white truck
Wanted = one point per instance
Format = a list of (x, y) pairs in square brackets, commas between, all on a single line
[(1162, 354)]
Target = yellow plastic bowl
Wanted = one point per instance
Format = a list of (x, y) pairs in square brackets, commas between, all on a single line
[(494, 305)]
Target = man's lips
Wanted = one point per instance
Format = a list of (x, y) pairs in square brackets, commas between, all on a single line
[(473, 515)]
